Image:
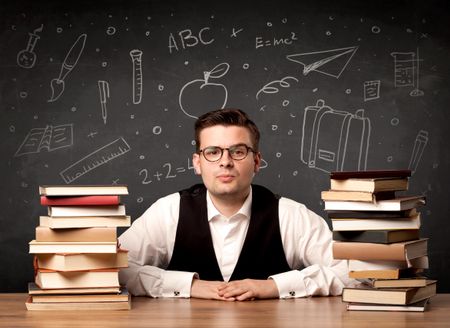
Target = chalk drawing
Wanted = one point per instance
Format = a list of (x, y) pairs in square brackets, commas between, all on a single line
[(57, 85), (26, 58), (136, 58), (198, 93), (103, 90), (334, 140), (419, 145), (406, 71), (372, 90), (329, 62), (49, 138), (95, 159), (272, 87)]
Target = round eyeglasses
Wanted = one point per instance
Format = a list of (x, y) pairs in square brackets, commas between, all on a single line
[(215, 153)]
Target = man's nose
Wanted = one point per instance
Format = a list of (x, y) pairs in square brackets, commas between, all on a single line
[(226, 159)]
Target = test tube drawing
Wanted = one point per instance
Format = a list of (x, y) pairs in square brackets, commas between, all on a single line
[(103, 89), (416, 92), (419, 146), (26, 58), (136, 57)]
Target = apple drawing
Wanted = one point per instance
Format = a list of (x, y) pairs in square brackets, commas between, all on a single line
[(200, 95)]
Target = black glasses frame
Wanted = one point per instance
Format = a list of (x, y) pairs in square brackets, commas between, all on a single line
[(248, 149)]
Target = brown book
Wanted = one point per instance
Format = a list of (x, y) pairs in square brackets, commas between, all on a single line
[(370, 185), (370, 174), (413, 307), (384, 274), (49, 279), (80, 200), (81, 262), (371, 251), (357, 196), (376, 236), (79, 234), (418, 281), (78, 306), (84, 222), (33, 289), (122, 296), (364, 294), (82, 190)]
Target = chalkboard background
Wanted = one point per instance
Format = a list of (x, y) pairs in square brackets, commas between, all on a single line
[(386, 62)]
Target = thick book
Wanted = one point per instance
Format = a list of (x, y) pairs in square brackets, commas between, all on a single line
[(357, 196), (420, 306), (418, 263), (76, 234), (80, 200), (399, 296), (122, 296), (376, 224), (376, 236), (370, 174), (370, 185), (397, 204), (82, 190), (39, 247), (82, 261), (78, 306), (370, 251), (384, 274), (33, 289), (344, 214), (49, 279), (418, 281), (91, 210), (84, 221)]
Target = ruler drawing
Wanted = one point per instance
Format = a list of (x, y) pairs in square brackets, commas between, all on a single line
[(95, 159)]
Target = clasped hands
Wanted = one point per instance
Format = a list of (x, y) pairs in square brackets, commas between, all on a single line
[(237, 290)]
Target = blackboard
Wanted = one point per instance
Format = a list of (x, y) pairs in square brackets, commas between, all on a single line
[(129, 78)]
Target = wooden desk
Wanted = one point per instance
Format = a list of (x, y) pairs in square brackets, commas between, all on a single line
[(146, 312)]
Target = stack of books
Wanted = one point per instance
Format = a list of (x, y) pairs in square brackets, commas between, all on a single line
[(377, 230), (76, 255)]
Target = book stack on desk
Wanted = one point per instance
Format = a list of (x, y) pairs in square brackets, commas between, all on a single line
[(377, 231), (76, 255)]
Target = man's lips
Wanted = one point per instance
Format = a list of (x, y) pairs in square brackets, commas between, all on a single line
[(225, 177)]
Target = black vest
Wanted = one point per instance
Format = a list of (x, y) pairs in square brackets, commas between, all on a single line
[(262, 254)]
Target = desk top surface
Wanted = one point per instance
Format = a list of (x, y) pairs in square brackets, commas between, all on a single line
[(148, 312)]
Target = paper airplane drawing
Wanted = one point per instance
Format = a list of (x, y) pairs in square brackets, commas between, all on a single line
[(328, 62)]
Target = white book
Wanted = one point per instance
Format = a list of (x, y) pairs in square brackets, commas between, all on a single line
[(376, 224), (397, 204), (94, 210), (82, 190), (360, 265), (84, 221), (42, 247)]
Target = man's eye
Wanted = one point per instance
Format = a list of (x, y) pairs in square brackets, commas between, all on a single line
[(238, 151), (212, 151)]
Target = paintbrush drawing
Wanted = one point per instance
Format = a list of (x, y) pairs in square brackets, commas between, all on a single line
[(57, 85)]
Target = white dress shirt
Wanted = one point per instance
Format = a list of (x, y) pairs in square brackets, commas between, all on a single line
[(306, 238)]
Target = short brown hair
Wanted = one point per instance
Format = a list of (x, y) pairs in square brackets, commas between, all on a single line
[(227, 117)]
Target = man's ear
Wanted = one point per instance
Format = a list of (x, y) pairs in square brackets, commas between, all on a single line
[(257, 161), (196, 163)]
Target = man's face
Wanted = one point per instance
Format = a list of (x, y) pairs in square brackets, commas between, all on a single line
[(227, 177)]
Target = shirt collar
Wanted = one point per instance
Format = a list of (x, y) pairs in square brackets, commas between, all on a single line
[(245, 209)]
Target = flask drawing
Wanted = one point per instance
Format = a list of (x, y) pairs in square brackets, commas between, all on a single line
[(136, 57)]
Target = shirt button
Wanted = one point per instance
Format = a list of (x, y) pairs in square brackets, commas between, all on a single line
[(176, 293), (292, 293)]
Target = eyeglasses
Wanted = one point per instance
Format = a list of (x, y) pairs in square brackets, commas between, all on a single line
[(215, 153)]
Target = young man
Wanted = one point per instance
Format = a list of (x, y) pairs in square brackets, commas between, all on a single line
[(227, 239)]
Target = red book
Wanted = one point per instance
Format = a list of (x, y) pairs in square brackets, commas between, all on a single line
[(81, 200)]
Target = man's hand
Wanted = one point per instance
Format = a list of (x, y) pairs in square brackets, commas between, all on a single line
[(208, 290), (248, 289)]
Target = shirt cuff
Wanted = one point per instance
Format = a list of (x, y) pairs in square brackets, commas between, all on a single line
[(290, 284), (177, 284)]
